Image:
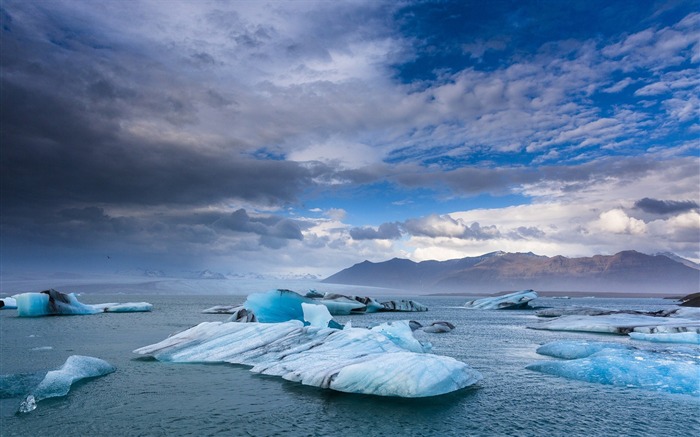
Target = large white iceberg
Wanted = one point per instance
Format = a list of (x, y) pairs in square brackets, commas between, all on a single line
[(673, 371), (354, 360), (511, 301), (52, 302), (54, 383)]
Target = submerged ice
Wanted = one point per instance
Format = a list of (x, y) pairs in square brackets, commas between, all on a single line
[(668, 370), (511, 301), (386, 360)]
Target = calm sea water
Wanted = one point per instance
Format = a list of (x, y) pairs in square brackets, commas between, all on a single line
[(149, 398)]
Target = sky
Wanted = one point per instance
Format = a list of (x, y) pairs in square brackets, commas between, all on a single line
[(307, 136)]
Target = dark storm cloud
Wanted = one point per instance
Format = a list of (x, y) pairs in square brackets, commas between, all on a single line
[(655, 206), (269, 226), (386, 231), (57, 150)]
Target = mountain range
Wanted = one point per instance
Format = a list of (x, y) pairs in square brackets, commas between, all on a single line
[(625, 272)]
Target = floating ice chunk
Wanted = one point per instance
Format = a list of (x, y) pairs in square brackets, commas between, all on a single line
[(313, 294), (242, 315), (401, 334), (51, 302), (676, 371), (338, 304), (316, 315), (439, 327), (352, 360), (370, 303), (512, 301), (279, 306), (403, 306), (673, 337), (58, 382), (222, 309), (128, 307), (619, 324), (8, 303), (570, 350)]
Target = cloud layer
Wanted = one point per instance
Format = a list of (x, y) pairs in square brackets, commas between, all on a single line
[(309, 135)]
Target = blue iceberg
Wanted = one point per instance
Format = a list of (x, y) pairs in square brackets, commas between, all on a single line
[(672, 371), (53, 303), (383, 361), (278, 306), (54, 383), (512, 301)]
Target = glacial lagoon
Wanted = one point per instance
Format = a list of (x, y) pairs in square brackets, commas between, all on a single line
[(147, 397)]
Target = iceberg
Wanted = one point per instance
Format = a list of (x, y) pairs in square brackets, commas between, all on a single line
[(570, 350), (242, 315), (52, 303), (620, 323), (8, 303), (403, 306), (513, 301), (370, 303), (222, 309), (353, 360), (54, 383), (672, 337), (279, 306), (433, 328), (338, 304), (127, 307), (439, 327), (672, 371)]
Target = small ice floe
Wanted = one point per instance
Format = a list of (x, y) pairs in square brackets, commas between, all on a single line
[(669, 370), (54, 383), (52, 303), (127, 307), (222, 309), (8, 303), (403, 306), (512, 301), (670, 337), (433, 328)]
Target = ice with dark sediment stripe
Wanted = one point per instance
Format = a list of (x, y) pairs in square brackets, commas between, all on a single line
[(385, 360), (54, 303), (511, 301)]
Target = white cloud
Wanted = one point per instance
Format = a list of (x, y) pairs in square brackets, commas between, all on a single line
[(617, 222)]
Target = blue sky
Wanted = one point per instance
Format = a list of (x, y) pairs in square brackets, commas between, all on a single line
[(307, 136)]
